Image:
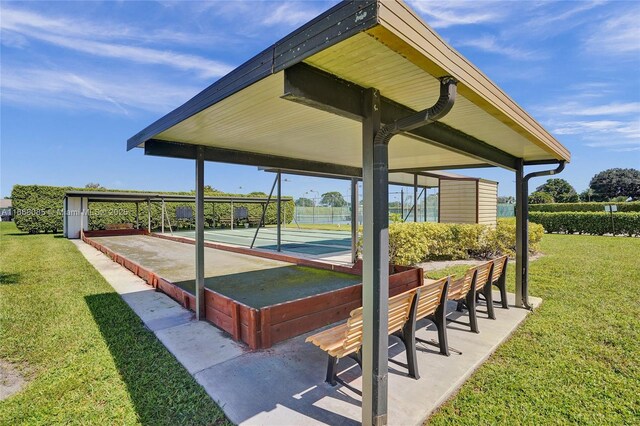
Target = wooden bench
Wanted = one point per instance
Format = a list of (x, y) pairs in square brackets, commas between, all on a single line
[(465, 290), (346, 339)]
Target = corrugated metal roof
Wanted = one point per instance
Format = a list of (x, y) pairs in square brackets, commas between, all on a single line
[(395, 53)]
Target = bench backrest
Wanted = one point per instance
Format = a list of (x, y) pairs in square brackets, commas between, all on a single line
[(430, 296), (498, 267), (399, 309), (484, 271)]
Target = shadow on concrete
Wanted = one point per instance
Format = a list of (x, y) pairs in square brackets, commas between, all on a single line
[(161, 390)]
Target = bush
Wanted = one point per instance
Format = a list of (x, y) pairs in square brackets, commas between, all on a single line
[(584, 207), (39, 208), (411, 243), (595, 223), (540, 197)]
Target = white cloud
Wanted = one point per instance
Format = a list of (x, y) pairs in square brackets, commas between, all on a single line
[(83, 37), (618, 35), (492, 45), (73, 90), (443, 14), (290, 14), (580, 109)]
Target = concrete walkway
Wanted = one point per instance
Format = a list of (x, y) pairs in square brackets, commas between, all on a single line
[(285, 384)]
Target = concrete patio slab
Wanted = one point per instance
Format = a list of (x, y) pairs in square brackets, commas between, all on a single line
[(285, 385), (199, 345)]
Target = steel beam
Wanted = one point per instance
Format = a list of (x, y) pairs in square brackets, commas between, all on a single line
[(437, 168), (310, 86), (199, 290), (521, 199), (375, 267), (161, 148)]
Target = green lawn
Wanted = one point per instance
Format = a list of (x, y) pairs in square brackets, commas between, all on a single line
[(88, 357), (576, 359), (90, 360)]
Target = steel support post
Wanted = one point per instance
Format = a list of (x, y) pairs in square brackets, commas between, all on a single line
[(148, 215), (232, 215), (199, 290), (521, 200), (375, 270), (402, 203), (137, 215), (162, 222), (425, 203), (354, 220), (415, 198), (279, 213)]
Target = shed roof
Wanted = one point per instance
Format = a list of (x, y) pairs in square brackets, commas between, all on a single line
[(298, 99)]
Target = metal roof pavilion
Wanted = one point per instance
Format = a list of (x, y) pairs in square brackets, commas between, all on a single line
[(329, 98)]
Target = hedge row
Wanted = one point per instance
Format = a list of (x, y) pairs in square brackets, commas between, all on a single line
[(595, 223), (633, 206), (411, 243), (38, 208)]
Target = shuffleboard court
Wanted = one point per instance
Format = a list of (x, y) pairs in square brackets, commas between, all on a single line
[(305, 241), (251, 280)]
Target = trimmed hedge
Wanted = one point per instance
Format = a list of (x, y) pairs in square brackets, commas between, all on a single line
[(633, 206), (595, 223), (38, 208), (411, 243)]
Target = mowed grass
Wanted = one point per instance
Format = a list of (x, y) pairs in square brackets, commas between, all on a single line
[(87, 356), (576, 359), (90, 360)]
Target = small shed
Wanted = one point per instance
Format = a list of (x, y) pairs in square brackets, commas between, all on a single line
[(467, 200), (6, 210)]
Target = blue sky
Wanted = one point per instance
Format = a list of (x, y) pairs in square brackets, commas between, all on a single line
[(79, 78)]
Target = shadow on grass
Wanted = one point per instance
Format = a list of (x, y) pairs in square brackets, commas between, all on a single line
[(161, 390), (9, 279)]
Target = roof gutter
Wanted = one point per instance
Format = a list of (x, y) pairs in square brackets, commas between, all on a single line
[(525, 231)]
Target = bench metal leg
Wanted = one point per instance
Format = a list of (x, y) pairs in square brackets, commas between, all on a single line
[(440, 320), (332, 371), (409, 340), (471, 306), (488, 297), (502, 285)]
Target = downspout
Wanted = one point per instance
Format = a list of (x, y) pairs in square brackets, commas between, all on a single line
[(525, 227), (442, 106), (381, 141)]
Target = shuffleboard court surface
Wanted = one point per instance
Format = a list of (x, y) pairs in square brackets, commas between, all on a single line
[(305, 241), (254, 281)]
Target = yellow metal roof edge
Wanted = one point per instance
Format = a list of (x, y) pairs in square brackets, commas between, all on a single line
[(436, 57)]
